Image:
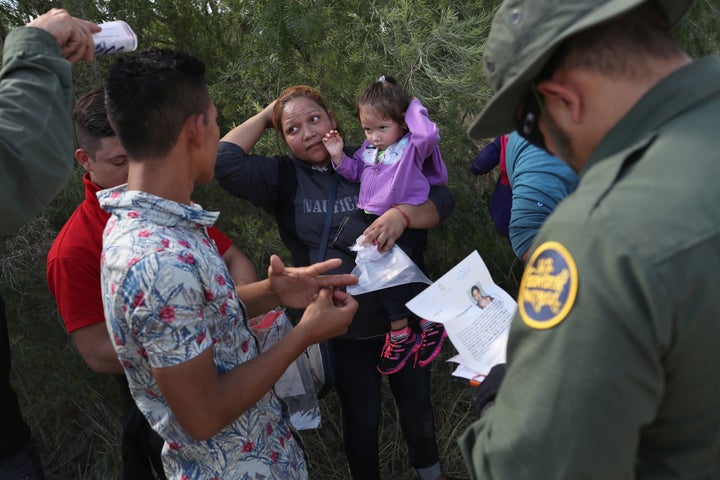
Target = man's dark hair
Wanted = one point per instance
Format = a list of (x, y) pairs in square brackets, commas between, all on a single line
[(90, 120), (150, 94), (387, 97), (618, 47)]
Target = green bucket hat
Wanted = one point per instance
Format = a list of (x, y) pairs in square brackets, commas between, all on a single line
[(523, 36)]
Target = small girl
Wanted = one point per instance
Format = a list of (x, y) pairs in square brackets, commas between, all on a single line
[(397, 163)]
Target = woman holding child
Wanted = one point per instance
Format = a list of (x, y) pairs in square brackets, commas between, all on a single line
[(296, 188)]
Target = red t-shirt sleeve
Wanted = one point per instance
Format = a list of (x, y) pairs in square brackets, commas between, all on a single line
[(222, 241), (76, 287)]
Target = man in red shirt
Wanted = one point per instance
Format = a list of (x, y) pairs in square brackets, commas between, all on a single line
[(73, 272)]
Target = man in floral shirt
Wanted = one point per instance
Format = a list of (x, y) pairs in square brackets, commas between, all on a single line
[(181, 333)]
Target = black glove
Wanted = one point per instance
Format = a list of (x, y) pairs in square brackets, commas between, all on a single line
[(484, 394)]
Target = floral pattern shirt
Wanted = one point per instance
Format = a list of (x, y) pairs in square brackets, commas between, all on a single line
[(168, 297)]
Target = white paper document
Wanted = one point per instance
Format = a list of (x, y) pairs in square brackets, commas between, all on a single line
[(475, 312)]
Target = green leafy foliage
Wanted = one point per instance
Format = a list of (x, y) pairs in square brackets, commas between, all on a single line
[(253, 50)]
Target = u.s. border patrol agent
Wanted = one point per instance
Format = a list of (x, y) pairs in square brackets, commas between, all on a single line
[(613, 354)]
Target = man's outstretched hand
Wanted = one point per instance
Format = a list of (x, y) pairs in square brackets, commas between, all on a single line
[(297, 287), (328, 316)]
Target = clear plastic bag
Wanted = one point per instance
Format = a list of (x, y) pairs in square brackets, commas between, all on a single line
[(379, 270), (297, 386)]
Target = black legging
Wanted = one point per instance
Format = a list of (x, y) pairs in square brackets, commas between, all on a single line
[(18, 455), (141, 445), (359, 387)]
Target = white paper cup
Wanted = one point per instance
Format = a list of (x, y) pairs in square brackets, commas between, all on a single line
[(115, 37)]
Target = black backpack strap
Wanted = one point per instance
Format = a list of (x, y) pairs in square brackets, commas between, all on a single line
[(330, 210)]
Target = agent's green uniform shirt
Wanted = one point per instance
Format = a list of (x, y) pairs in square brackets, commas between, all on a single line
[(614, 353), (36, 156), (36, 132)]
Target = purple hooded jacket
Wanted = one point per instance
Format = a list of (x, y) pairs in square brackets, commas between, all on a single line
[(407, 169)]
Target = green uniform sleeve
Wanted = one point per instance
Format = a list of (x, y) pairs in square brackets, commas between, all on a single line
[(36, 135), (577, 393)]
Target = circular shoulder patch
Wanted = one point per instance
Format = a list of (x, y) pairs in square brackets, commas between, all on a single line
[(548, 287)]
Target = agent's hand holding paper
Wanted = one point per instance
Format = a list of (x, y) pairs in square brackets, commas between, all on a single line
[(475, 312)]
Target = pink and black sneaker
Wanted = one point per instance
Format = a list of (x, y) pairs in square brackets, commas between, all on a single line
[(395, 354), (432, 337)]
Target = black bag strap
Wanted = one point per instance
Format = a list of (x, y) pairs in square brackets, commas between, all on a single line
[(325, 346), (330, 210)]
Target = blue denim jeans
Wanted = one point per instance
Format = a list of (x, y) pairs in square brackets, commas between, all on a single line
[(359, 385)]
